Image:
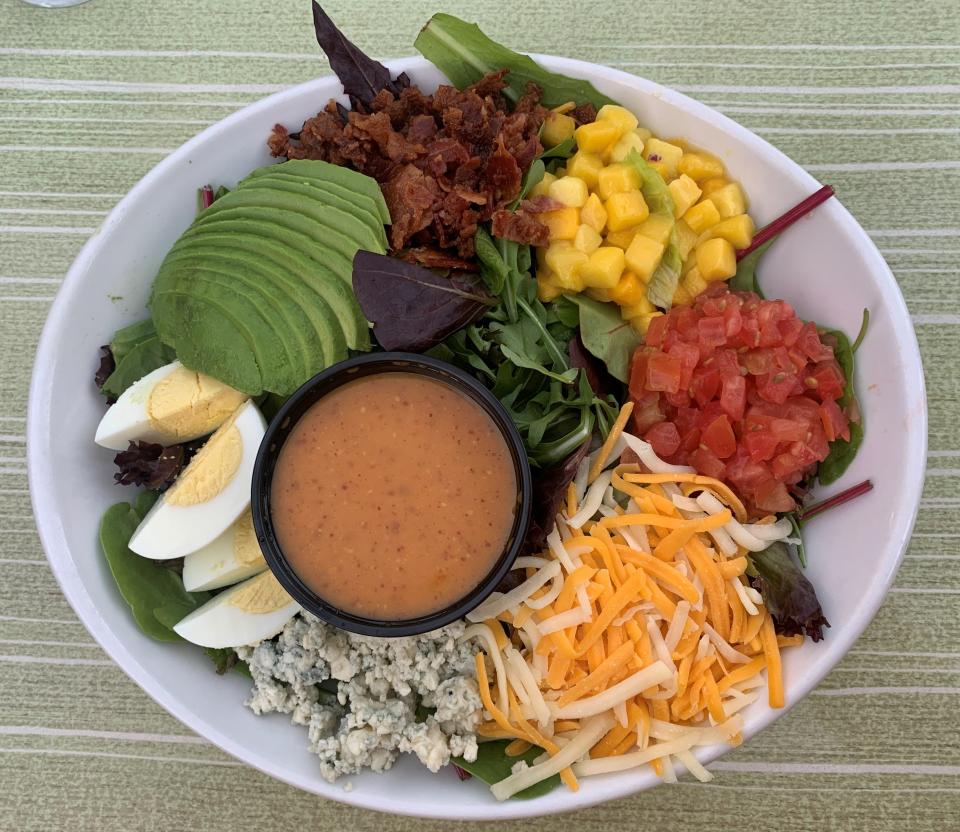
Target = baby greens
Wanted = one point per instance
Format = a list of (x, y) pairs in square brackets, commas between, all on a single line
[(606, 335), (137, 351), (465, 54), (493, 765), (787, 593), (843, 451)]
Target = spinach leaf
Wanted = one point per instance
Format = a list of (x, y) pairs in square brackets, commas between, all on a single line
[(124, 340), (137, 351), (745, 280), (463, 53), (864, 325), (606, 335), (226, 658), (564, 150), (155, 595), (361, 76), (787, 593), (842, 451), (493, 765), (413, 308)]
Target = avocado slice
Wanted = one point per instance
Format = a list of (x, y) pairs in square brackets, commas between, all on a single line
[(325, 192), (344, 232), (314, 169), (207, 338), (301, 251), (298, 271), (374, 204), (296, 300), (254, 310)]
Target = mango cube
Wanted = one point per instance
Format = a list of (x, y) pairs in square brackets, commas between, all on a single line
[(603, 269), (585, 166), (681, 297), (542, 187), (737, 230), (565, 262), (635, 310), (685, 193), (644, 134), (620, 116), (626, 209), (622, 239), (622, 147), (557, 128), (694, 283), (587, 239), (729, 200), (594, 214), (716, 259), (686, 239), (596, 136), (563, 223), (643, 256), (702, 216), (700, 166), (616, 179), (657, 227), (547, 288), (571, 191), (642, 324), (711, 186), (657, 150), (601, 295), (629, 291)]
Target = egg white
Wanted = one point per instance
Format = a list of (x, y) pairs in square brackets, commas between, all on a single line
[(217, 565)]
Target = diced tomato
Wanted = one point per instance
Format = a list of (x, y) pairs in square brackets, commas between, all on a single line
[(790, 329), (760, 444), (776, 387), (809, 341), (835, 424), (657, 330), (638, 373), (733, 398), (705, 384), (727, 363), (663, 373), (718, 436), (787, 430), (665, 439), (688, 355), (828, 380), (712, 331), (733, 320), (679, 399), (773, 496), (646, 412), (706, 462), (758, 362)]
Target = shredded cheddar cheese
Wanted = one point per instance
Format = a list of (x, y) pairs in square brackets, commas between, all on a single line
[(634, 637)]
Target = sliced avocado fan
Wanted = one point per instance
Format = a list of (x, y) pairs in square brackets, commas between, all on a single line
[(258, 291)]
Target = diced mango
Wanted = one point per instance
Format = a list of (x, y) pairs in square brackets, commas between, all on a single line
[(700, 166), (626, 209), (685, 192), (711, 186), (662, 169), (642, 324), (681, 297), (716, 259), (729, 200), (702, 216), (602, 295), (657, 227), (604, 268), (644, 134), (619, 116), (560, 172), (594, 214), (557, 128), (643, 256), (635, 310), (565, 262), (587, 239), (563, 223), (547, 289), (737, 230), (686, 239), (617, 179), (622, 239), (694, 283), (629, 291), (585, 166), (622, 147), (543, 186), (596, 136), (571, 191), (656, 150)]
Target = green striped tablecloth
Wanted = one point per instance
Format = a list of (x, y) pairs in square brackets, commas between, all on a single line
[(865, 94)]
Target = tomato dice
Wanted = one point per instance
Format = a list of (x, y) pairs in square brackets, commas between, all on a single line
[(741, 389)]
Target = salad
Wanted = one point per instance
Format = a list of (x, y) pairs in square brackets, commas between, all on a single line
[(602, 282)]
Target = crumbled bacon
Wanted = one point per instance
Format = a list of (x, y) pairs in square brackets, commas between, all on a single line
[(446, 162)]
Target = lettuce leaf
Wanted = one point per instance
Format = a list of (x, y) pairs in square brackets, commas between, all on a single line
[(787, 593)]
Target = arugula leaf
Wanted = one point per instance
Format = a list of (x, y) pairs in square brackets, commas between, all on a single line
[(137, 351), (787, 593), (463, 53), (532, 177), (842, 451), (606, 335), (493, 268), (564, 150), (745, 280), (493, 765), (155, 595), (663, 283)]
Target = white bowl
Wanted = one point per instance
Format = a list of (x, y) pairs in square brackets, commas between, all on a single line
[(826, 266)]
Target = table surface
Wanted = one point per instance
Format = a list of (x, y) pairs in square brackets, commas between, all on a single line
[(863, 94)]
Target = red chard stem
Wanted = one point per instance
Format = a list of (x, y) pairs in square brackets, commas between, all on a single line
[(768, 232), (836, 500), (206, 196)]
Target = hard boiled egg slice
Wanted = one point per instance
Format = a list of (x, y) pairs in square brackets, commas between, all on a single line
[(233, 556), (170, 405), (208, 495), (244, 614)]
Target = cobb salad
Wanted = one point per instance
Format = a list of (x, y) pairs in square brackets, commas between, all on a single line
[(602, 282)]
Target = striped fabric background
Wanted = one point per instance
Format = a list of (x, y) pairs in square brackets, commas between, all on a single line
[(866, 95)]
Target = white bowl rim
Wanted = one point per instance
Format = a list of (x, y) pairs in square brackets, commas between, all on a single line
[(56, 545)]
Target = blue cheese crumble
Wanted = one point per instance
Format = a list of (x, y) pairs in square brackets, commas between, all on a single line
[(372, 718)]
